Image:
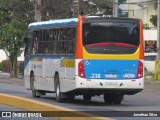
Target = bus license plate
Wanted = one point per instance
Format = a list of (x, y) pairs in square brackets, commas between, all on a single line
[(111, 75)]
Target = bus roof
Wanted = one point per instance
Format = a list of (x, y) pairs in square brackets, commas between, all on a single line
[(68, 22), (53, 23)]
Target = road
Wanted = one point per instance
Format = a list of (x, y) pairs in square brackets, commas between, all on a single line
[(147, 100)]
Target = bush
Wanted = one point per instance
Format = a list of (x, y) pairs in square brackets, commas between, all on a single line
[(6, 66), (148, 73)]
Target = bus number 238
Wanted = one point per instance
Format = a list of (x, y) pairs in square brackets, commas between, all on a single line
[(95, 75)]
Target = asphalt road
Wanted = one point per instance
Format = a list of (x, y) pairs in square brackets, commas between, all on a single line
[(147, 100)]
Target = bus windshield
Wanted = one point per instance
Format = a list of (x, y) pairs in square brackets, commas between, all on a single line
[(111, 37)]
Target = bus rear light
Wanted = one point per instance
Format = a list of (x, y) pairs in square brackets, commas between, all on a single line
[(81, 72), (140, 70)]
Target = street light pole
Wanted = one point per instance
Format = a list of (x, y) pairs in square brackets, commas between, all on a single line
[(158, 30), (115, 8), (75, 8), (38, 10)]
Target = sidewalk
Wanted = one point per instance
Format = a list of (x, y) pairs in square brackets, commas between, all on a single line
[(150, 80), (5, 78)]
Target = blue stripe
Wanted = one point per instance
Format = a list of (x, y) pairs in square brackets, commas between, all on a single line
[(111, 69), (54, 23)]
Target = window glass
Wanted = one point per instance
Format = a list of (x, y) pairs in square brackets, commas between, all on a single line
[(110, 37), (54, 41), (71, 40), (35, 43)]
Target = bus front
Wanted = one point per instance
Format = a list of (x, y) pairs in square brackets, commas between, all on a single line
[(109, 57)]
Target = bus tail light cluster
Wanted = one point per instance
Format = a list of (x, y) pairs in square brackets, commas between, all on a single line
[(140, 70), (81, 72)]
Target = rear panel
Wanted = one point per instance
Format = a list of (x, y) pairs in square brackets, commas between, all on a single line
[(109, 54)]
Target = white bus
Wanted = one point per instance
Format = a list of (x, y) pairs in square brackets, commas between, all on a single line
[(85, 56)]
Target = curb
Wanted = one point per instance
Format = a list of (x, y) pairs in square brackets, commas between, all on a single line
[(33, 105)]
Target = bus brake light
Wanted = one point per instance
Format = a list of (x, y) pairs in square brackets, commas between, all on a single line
[(140, 70), (81, 72)]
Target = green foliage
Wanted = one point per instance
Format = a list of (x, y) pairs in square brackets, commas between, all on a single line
[(6, 66), (12, 35), (146, 26), (148, 73), (23, 9), (153, 20)]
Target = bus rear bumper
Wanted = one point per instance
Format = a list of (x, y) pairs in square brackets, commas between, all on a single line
[(106, 91), (106, 85)]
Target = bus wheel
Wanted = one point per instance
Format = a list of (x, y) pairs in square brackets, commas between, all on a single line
[(113, 99), (107, 99), (35, 93), (58, 91), (87, 98), (118, 99)]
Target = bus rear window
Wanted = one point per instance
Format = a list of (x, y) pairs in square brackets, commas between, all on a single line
[(111, 37)]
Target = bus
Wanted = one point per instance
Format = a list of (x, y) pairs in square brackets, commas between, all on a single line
[(88, 56)]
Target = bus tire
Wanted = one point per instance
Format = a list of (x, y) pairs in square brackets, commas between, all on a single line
[(58, 90), (119, 99), (107, 99), (35, 93), (113, 99), (87, 98)]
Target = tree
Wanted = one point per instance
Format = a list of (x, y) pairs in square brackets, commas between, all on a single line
[(12, 35), (14, 18), (153, 20), (23, 9)]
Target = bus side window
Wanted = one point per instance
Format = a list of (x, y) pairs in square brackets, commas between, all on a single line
[(28, 47), (35, 42), (47, 42), (62, 46), (71, 40), (50, 41), (57, 41), (28, 43), (42, 43)]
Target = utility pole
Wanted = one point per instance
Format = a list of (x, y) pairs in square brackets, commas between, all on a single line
[(37, 10), (158, 30), (115, 8), (75, 8)]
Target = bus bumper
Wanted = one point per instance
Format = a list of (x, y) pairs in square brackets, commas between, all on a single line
[(129, 86)]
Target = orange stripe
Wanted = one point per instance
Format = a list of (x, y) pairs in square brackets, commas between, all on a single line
[(141, 41), (79, 46)]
